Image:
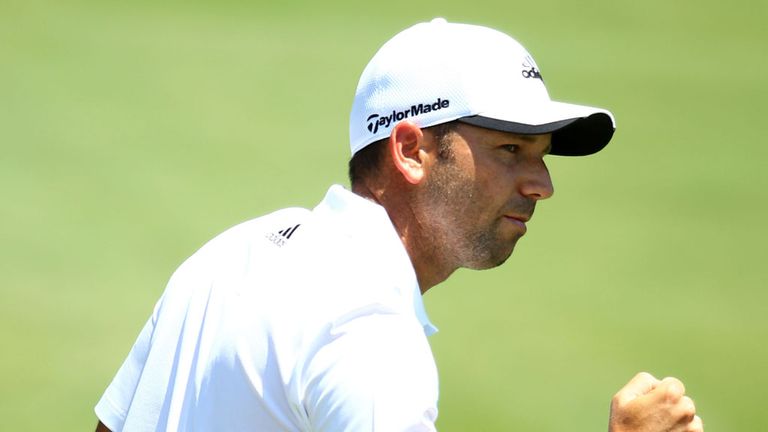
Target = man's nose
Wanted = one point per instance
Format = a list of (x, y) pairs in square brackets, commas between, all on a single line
[(537, 183)]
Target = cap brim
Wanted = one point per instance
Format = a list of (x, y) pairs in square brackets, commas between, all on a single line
[(577, 130)]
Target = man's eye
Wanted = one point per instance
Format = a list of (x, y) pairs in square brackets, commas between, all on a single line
[(512, 148)]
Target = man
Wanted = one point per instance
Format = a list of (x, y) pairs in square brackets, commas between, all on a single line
[(313, 320)]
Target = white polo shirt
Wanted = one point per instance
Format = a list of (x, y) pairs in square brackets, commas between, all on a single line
[(296, 321)]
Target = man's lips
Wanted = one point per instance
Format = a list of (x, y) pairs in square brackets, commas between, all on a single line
[(518, 220), (521, 218)]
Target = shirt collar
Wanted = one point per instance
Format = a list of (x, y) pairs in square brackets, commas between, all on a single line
[(421, 313), (363, 215)]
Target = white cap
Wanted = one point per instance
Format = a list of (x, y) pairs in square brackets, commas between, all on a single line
[(437, 72)]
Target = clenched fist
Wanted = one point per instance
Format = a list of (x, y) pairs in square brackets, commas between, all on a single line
[(646, 404)]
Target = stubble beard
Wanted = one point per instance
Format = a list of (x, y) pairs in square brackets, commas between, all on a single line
[(457, 235)]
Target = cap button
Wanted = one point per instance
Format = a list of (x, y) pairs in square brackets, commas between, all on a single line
[(439, 21)]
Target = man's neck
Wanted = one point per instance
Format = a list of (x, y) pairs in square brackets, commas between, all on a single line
[(427, 259)]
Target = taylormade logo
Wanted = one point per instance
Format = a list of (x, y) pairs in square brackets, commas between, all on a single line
[(376, 120)]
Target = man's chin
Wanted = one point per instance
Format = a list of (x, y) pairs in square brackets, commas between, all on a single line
[(493, 258)]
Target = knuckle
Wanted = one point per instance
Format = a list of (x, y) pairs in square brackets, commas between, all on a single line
[(673, 389), (696, 425), (645, 376), (687, 408), (689, 404), (672, 394), (619, 402)]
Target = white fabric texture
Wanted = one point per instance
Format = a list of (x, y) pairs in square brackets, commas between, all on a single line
[(296, 321), (436, 72)]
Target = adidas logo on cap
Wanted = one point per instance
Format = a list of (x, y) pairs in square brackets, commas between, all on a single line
[(483, 77)]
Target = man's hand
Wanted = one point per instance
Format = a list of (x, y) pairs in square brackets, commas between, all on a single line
[(646, 404)]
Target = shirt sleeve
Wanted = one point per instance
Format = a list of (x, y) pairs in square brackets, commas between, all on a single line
[(113, 406), (376, 374)]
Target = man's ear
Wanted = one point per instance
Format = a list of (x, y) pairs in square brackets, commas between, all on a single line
[(405, 145)]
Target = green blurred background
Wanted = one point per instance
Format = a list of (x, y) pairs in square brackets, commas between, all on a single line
[(132, 132)]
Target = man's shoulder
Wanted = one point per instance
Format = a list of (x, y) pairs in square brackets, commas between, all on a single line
[(247, 240), (282, 222)]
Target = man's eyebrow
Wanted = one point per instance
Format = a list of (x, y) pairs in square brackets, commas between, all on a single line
[(527, 138), (531, 139), (521, 137)]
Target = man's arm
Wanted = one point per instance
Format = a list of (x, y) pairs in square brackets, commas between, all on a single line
[(646, 404), (378, 374)]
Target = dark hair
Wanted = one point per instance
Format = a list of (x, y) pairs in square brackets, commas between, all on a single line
[(367, 160)]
